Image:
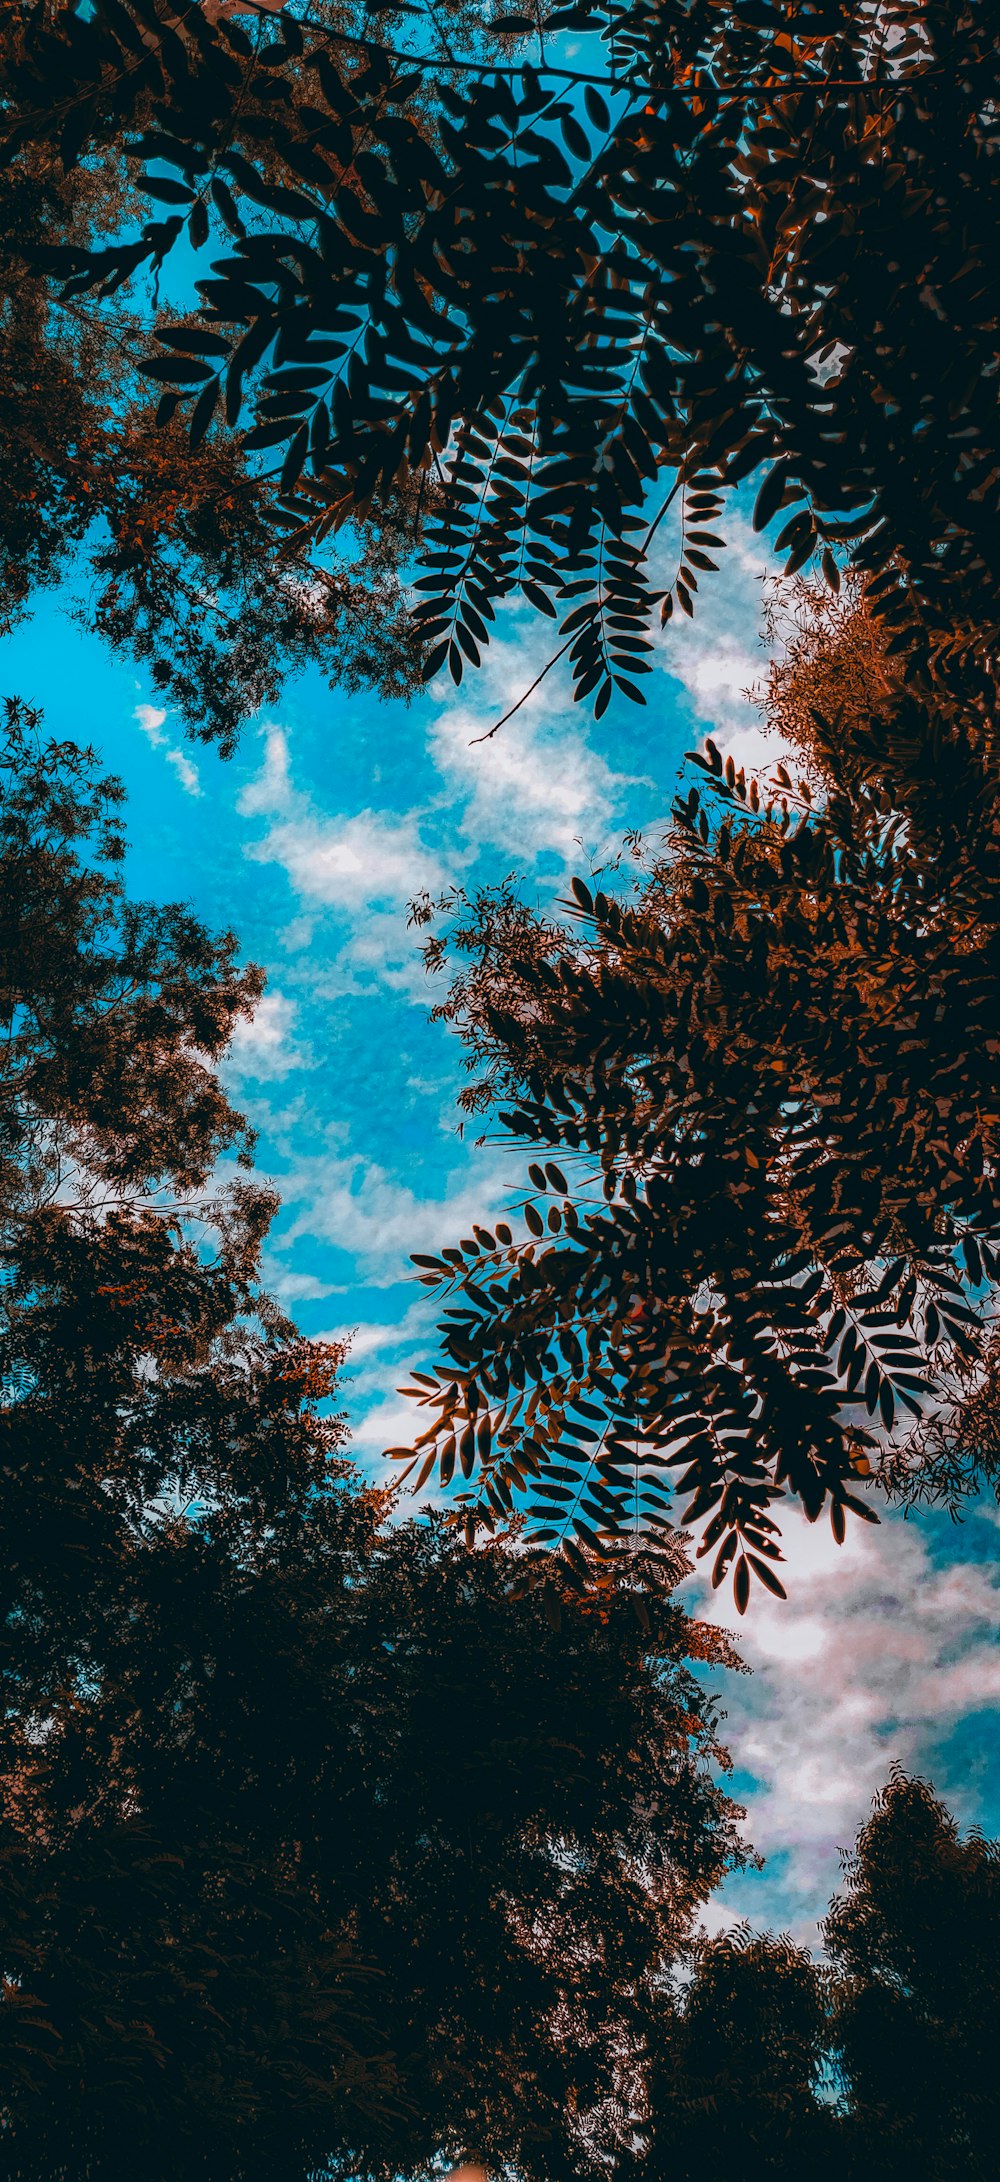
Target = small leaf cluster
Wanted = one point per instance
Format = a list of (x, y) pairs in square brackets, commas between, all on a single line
[(170, 549)]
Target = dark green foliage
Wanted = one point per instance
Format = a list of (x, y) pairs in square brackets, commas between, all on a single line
[(875, 2062), (574, 296), (344, 1853), (763, 1096), (114, 1012)]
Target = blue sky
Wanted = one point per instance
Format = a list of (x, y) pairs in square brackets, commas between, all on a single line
[(336, 811)]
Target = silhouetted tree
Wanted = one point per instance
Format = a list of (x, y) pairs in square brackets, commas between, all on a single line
[(319, 1845), (876, 2060), (914, 1944), (734, 2080)]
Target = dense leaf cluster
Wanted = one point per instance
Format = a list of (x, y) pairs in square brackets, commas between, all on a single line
[(171, 556), (573, 295), (875, 2063), (763, 1096)]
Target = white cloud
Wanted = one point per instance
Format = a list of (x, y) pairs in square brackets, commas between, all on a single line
[(376, 1337), (358, 1206), (717, 668), (271, 788), (151, 720), (265, 1045), (875, 1653), (393, 1422), (186, 773), (718, 655), (292, 1287), (349, 861), (537, 786)]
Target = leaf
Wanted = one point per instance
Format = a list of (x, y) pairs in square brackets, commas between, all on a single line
[(770, 495), (203, 412), (741, 1585), (596, 108), (767, 1575), (166, 189), (180, 370)]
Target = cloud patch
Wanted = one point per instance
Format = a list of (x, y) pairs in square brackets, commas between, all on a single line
[(537, 787), (877, 1655), (265, 1046), (347, 862), (152, 720)]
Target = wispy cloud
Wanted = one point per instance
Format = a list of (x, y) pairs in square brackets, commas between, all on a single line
[(344, 861), (266, 1045), (538, 787), (359, 1206), (152, 720), (718, 657)]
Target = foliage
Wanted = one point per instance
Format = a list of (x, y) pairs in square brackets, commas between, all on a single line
[(877, 2060), (349, 1857), (736, 2072), (318, 1845), (172, 553), (762, 1094), (946, 1460), (584, 293)]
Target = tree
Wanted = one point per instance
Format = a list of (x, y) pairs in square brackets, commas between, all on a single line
[(351, 1858), (878, 2059), (734, 2079), (319, 1844), (588, 293), (762, 1094), (172, 550), (913, 1941)]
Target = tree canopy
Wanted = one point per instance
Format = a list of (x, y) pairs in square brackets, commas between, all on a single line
[(569, 295), (874, 2060), (170, 554), (912, 1943), (542, 303), (319, 1844), (327, 1843)]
